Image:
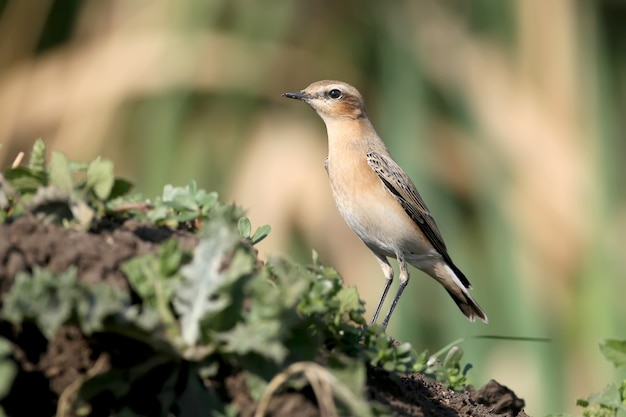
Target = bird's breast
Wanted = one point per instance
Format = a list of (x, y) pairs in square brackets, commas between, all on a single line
[(370, 210)]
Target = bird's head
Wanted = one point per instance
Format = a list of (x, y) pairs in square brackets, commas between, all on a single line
[(332, 100)]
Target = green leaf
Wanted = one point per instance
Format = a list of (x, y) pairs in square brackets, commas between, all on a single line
[(349, 300), (8, 369), (23, 180), (37, 161), (453, 357), (206, 200), (261, 337), (44, 297), (120, 188), (614, 351), (404, 348), (158, 214), (93, 304), (51, 299), (60, 173), (179, 198), (609, 398), (171, 257), (256, 382), (76, 166), (245, 228), (292, 283), (261, 233), (100, 177), (197, 295), (6, 347), (352, 375), (154, 279)]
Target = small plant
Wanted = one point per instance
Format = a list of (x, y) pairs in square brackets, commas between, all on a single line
[(449, 370), (611, 401), (218, 309), (61, 191)]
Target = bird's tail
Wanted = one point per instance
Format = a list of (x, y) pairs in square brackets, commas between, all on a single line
[(469, 306), (460, 294)]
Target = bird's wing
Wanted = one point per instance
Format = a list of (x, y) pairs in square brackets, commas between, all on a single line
[(402, 188)]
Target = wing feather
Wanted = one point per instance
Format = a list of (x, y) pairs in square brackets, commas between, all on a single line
[(402, 188)]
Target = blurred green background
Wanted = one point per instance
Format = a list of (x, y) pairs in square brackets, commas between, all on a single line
[(508, 115)]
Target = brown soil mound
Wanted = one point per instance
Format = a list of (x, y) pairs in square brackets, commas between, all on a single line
[(49, 369)]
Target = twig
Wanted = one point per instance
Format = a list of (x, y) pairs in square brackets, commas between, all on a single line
[(18, 160)]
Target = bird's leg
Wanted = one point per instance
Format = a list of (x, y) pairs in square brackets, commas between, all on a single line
[(388, 272), (404, 280)]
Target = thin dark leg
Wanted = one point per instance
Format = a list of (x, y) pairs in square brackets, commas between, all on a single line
[(404, 280), (388, 272)]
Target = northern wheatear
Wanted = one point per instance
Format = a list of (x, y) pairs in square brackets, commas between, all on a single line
[(377, 198)]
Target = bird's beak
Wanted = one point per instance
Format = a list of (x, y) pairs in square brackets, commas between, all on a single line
[(297, 95)]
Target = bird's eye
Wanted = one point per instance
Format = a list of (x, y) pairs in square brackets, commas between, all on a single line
[(334, 93)]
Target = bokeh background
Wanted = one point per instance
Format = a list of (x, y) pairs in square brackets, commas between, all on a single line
[(509, 116)]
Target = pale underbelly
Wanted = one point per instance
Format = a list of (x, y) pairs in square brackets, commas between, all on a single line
[(384, 227)]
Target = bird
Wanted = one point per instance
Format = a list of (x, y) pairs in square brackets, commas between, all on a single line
[(378, 200)]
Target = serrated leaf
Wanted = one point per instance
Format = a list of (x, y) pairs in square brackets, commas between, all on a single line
[(51, 299), (179, 198), (93, 304), (100, 177), (169, 192), (293, 282), (37, 161), (349, 300), (45, 298), (614, 351), (197, 295), (60, 173), (245, 228), (609, 397), (182, 203), (155, 278), (260, 337), (207, 200)]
